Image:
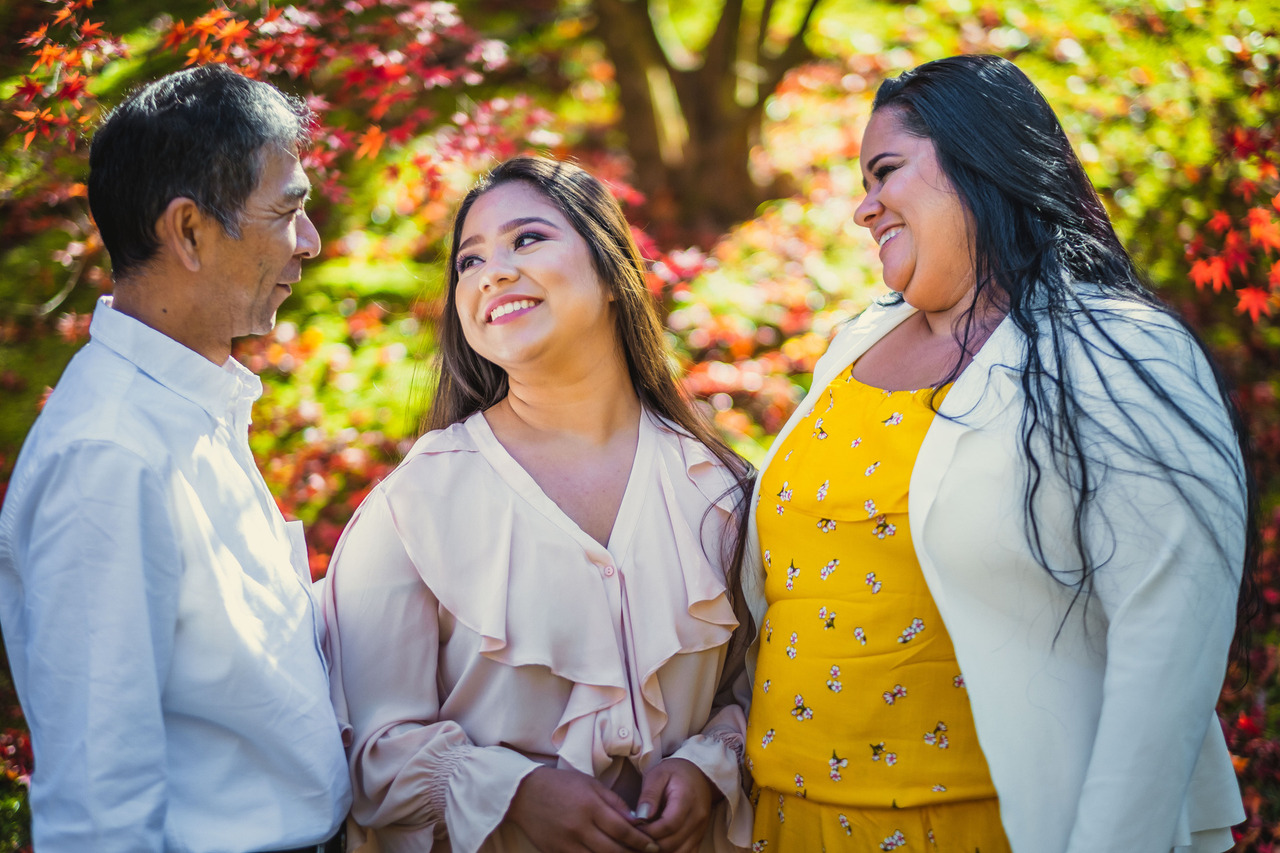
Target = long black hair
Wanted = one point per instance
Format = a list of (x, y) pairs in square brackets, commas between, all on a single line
[(1041, 239), (469, 383)]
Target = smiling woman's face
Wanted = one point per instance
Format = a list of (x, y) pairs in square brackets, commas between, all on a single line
[(527, 292), (915, 215)]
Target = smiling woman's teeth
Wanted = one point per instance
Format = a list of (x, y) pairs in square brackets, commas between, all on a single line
[(507, 307), (884, 238)]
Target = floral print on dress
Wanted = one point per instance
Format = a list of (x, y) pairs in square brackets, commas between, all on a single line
[(879, 753), (892, 696), (793, 572), (910, 632), (893, 842), (837, 764), (786, 756)]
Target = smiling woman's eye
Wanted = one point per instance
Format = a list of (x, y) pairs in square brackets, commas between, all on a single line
[(466, 262), (525, 238), (882, 171)]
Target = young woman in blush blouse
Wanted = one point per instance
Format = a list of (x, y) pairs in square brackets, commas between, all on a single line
[(529, 619), (1002, 538)]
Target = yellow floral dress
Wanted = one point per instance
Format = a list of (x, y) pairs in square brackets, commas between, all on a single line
[(861, 737)]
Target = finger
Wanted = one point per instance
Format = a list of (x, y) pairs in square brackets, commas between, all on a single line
[(614, 801), (653, 794), (615, 826)]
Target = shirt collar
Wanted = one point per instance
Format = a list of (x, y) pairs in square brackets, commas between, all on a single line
[(221, 391)]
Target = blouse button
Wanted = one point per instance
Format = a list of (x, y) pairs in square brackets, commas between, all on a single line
[(608, 571), (624, 733)]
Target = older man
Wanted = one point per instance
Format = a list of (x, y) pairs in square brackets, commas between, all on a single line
[(155, 604)]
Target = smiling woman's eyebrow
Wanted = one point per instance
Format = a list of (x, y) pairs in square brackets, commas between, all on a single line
[(508, 227)]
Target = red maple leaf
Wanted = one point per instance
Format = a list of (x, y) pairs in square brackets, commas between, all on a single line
[(73, 88), (35, 37), (1275, 202), (1266, 235), (28, 90), (49, 55), (1267, 169), (370, 142), (1219, 222), (1255, 301), (1274, 277), (62, 15), (1211, 271), (233, 32), (1234, 252), (177, 35), (1246, 188), (90, 30)]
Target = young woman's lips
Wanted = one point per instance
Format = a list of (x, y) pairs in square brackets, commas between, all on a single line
[(510, 310)]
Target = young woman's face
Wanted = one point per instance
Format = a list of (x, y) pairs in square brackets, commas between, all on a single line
[(527, 292), (916, 217)]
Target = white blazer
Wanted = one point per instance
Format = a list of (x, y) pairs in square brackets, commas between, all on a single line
[(1097, 720)]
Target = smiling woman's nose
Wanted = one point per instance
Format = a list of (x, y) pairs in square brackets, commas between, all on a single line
[(866, 211), (497, 270)]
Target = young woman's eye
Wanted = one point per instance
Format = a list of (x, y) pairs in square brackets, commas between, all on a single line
[(883, 171), (527, 238), (466, 262)]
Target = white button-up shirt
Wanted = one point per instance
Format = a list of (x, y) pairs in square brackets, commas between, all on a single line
[(156, 612)]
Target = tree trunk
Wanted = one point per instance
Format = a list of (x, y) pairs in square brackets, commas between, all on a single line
[(691, 120)]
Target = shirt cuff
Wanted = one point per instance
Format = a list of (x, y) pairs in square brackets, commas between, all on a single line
[(480, 787)]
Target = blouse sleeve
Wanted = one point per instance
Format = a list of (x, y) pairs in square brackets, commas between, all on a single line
[(411, 771), (718, 751), (1169, 558)]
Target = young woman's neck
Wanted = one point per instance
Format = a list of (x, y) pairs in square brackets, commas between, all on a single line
[(594, 404)]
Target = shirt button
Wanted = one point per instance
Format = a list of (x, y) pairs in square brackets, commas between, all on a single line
[(608, 571), (624, 733)]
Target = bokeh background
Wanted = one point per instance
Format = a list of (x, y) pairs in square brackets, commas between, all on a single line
[(729, 130)]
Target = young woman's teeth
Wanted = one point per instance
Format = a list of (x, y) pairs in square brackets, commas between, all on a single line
[(507, 307)]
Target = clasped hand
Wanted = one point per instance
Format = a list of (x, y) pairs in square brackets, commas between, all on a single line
[(564, 811)]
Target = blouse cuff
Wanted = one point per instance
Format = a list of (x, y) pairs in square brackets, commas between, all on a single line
[(476, 789), (718, 755)]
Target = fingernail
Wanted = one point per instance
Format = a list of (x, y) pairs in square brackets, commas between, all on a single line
[(651, 848), (643, 813)]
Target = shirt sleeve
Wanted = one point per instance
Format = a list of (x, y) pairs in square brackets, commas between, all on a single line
[(1170, 545), (412, 772), (100, 567)]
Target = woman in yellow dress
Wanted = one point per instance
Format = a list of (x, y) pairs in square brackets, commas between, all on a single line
[(1002, 538)]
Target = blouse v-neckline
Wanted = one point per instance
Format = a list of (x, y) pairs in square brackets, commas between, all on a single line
[(523, 484)]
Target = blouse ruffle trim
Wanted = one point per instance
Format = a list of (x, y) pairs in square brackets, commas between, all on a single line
[(535, 605)]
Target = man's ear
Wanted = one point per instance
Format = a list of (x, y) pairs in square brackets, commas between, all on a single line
[(184, 232)]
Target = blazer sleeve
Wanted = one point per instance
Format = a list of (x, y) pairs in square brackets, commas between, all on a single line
[(1168, 536), (411, 771)]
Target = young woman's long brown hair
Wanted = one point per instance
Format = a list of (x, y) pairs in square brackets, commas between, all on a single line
[(468, 383)]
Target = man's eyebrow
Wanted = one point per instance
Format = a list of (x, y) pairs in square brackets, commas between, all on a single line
[(508, 227), (297, 192)]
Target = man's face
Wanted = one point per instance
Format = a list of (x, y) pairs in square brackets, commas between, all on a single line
[(250, 277)]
